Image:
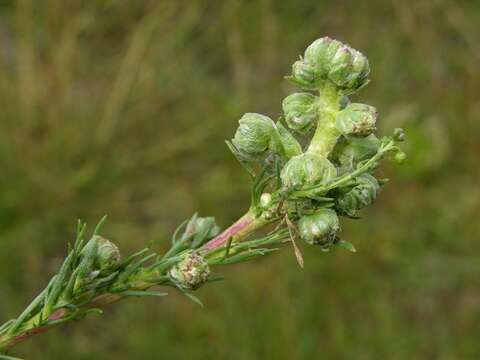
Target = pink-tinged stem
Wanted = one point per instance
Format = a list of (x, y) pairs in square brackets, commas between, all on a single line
[(241, 228)]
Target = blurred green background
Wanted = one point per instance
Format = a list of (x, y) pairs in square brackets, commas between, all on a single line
[(122, 107)]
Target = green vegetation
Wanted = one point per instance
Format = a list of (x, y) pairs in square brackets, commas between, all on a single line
[(118, 108)]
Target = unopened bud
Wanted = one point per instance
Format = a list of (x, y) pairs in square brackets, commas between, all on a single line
[(341, 66), (307, 169), (358, 77), (191, 272), (303, 75), (338, 63), (300, 111), (108, 254), (400, 157), (398, 135), (319, 228), (357, 119), (360, 196), (254, 134), (202, 226), (265, 200), (320, 53)]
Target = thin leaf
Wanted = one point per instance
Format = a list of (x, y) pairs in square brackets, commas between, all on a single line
[(5, 326), (227, 247), (346, 245), (95, 311), (100, 224), (132, 257), (143, 293), (192, 298), (177, 230)]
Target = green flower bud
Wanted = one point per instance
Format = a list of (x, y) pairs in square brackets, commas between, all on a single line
[(265, 200), (358, 77), (254, 134), (349, 152), (191, 272), (338, 63), (300, 111), (202, 226), (341, 66), (108, 254), (357, 119), (360, 196), (400, 157), (302, 75), (320, 54), (307, 169), (399, 134), (319, 228)]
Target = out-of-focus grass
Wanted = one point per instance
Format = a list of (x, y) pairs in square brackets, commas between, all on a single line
[(122, 108)]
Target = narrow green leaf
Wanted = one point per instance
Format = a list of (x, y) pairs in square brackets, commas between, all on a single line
[(144, 293), (100, 224), (33, 306), (192, 297), (89, 252), (68, 292), (346, 245), (132, 257), (134, 267), (244, 256), (5, 326), (95, 311), (57, 287), (178, 229), (227, 247)]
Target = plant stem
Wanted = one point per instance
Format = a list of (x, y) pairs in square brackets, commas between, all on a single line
[(326, 134), (243, 227)]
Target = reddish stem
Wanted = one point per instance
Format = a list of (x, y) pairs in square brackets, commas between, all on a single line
[(243, 226)]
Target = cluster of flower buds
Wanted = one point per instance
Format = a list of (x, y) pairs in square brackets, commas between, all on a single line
[(190, 272), (343, 140), (330, 61)]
